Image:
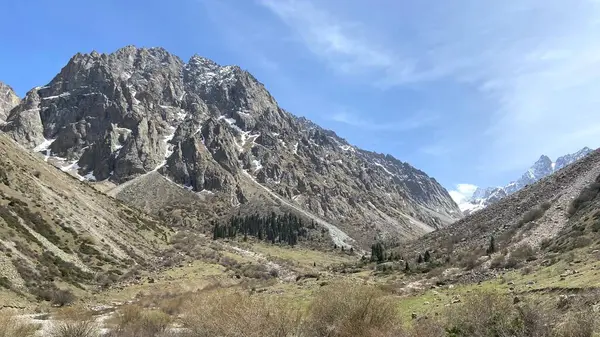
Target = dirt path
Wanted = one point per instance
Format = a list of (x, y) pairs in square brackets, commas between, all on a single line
[(284, 273)]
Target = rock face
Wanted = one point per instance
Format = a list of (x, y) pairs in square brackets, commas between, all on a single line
[(542, 168), (8, 100), (208, 127)]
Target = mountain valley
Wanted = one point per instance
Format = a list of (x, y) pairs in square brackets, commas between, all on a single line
[(141, 195)]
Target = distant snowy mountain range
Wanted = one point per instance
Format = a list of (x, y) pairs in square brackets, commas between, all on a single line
[(543, 167)]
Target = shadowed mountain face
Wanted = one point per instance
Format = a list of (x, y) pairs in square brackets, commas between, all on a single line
[(214, 130)]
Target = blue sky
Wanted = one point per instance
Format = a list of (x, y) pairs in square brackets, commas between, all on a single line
[(468, 91)]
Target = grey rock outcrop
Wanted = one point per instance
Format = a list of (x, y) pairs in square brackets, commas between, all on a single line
[(8, 100), (216, 128)]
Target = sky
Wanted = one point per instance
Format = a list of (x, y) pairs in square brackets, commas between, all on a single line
[(471, 92)]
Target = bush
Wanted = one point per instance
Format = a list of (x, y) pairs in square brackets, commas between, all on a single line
[(345, 310), (493, 314), (521, 254), (134, 321), (588, 194), (497, 262), (62, 297), (524, 253), (535, 213), (75, 329), (11, 326), (234, 314), (579, 324)]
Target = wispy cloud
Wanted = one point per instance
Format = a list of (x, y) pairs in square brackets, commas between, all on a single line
[(416, 121), (530, 69), (536, 63), (345, 45)]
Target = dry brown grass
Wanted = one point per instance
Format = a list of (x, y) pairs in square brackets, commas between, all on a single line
[(12, 326), (577, 324), (345, 310), (73, 313), (84, 328), (134, 321), (218, 313)]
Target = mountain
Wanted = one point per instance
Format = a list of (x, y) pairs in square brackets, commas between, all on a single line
[(543, 167), (8, 100), (57, 230), (217, 132)]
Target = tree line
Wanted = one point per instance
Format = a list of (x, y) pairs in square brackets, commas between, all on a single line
[(274, 228)]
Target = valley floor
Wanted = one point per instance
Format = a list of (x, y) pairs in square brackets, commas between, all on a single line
[(301, 289)]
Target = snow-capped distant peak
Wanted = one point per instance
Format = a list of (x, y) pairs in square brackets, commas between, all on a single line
[(543, 167)]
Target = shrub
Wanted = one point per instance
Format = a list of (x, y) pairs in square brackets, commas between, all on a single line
[(524, 253), (535, 213), (469, 261), (493, 314), (62, 297), (497, 262), (217, 313), (520, 254), (345, 310), (578, 324), (84, 328), (11, 326), (134, 321), (586, 195)]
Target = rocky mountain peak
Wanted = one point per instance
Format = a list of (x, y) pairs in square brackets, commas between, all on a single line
[(115, 117), (541, 168), (570, 158), (199, 62), (8, 100)]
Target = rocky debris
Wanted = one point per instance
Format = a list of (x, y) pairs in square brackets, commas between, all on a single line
[(212, 128), (8, 100), (568, 272)]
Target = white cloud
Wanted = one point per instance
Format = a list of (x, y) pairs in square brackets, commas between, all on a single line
[(345, 45), (413, 122), (462, 193), (535, 63), (533, 66)]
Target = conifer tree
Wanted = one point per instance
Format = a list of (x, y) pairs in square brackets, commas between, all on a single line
[(427, 256), (492, 247), (377, 252)]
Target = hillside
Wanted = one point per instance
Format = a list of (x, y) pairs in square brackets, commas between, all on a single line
[(216, 130), (56, 231), (536, 216)]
